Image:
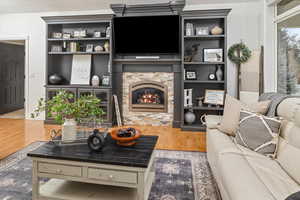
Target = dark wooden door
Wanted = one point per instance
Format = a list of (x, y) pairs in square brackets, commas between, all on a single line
[(12, 67)]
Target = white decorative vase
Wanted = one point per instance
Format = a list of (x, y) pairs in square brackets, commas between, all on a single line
[(190, 117), (216, 30), (219, 73), (95, 80), (69, 130)]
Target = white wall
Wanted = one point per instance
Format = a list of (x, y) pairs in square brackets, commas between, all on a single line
[(245, 22)]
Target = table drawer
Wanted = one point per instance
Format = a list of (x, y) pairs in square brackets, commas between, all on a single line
[(66, 170), (112, 175)]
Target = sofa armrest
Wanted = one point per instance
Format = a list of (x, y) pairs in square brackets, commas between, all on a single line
[(212, 121)]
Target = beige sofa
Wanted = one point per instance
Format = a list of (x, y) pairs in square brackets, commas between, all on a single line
[(245, 175)]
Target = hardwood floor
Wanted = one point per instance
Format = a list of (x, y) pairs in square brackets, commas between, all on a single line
[(15, 134)]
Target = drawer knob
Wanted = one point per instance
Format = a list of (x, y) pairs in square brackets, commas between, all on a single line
[(58, 171), (110, 176)]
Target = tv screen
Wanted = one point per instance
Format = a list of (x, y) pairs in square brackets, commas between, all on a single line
[(147, 35)]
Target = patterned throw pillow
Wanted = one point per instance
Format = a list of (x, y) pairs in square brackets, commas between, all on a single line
[(258, 133)]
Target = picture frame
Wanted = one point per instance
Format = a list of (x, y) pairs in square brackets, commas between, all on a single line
[(57, 35), (89, 48), (213, 55), (66, 35), (214, 97), (56, 48), (200, 30), (190, 75), (106, 80)]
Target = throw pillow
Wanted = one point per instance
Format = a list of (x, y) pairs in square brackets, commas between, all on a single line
[(258, 133), (231, 115), (260, 107)]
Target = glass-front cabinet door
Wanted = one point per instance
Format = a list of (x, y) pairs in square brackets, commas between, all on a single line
[(288, 56)]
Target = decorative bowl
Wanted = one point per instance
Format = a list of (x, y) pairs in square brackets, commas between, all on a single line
[(125, 141)]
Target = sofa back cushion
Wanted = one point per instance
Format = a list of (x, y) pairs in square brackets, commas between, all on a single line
[(289, 142)]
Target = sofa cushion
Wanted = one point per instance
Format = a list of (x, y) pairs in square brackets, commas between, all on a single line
[(258, 133), (289, 142), (248, 175)]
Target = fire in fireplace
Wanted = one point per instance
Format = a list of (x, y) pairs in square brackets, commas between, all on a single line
[(148, 96)]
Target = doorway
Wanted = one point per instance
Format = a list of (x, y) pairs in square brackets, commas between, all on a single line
[(12, 79)]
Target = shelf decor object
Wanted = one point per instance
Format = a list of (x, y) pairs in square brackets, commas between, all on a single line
[(81, 69), (217, 30), (204, 53), (213, 55), (214, 97)]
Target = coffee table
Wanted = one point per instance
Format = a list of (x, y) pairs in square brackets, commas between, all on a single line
[(75, 172)]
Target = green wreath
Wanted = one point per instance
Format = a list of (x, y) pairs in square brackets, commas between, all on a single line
[(239, 53)]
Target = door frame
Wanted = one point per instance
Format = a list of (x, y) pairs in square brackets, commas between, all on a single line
[(26, 65)]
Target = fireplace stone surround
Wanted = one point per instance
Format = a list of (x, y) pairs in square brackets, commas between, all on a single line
[(167, 72)]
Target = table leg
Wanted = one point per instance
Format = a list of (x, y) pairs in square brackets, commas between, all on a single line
[(35, 181), (141, 186)]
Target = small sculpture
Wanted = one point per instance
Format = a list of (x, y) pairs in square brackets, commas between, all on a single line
[(55, 79)]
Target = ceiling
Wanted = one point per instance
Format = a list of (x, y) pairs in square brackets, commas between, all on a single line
[(23, 6)]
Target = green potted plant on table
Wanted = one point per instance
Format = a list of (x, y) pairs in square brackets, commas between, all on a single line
[(68, 111)]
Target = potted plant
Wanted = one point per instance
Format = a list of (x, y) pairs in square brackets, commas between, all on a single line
[(68, 112)]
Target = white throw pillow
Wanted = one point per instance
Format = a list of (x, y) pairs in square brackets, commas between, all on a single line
[(231, 116)]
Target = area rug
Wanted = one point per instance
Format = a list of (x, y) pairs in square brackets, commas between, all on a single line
[(180, 175)]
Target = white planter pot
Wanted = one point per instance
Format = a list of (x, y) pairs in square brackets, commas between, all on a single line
[(69, 130)]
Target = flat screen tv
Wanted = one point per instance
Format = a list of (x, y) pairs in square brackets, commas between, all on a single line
[(147, 35)]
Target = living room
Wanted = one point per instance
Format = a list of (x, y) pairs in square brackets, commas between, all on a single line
[(158, 100)]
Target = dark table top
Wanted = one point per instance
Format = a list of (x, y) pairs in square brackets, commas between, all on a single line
[(138, 155)]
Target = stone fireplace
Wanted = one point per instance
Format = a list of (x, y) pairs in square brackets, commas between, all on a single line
[(148, 98)]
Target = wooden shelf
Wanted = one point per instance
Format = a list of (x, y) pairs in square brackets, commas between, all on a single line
[(78, 39), (204, 37), (203, 63), (79, 53), (199, 81), (193, 127), (204, 108)]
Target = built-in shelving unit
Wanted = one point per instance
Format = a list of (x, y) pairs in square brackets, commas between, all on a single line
[(60, 61), (206, 19)]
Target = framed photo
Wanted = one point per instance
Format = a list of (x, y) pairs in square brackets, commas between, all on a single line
[(89, 48), (190, 75), (106, 80), (213, 55), (56, 48), (66, 35), (215, 97), (202, 30), (56, 35)]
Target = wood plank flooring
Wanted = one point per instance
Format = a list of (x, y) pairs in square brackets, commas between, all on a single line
[(15, 134)]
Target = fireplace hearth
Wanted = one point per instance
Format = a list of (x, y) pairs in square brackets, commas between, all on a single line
[(148, 96)]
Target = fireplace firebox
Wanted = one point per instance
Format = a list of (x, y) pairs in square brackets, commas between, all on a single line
[(148, 96)]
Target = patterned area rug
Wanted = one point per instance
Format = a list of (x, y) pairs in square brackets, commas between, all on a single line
[(180, 175)]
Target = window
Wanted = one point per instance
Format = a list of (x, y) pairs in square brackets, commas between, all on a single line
[(286, 5), (288, 56), (288, 49)]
